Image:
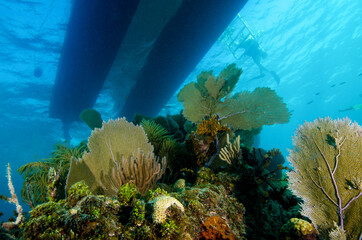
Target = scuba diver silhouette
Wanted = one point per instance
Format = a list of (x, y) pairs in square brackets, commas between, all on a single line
[(241, 36), (253, 50)]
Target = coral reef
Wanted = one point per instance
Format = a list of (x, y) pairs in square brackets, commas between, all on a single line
[(76, 192), (327, 174), (257, 181), (203, 98), (214, 185), (164, 145), (160, 214)]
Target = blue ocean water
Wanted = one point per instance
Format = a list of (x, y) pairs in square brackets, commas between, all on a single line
[(314, 46)]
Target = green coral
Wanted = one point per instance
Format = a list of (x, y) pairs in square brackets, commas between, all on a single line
[(246, 110), (156, 134), (76, 192), (138, 214), (102, 217), (298, 229), (127, 192), (327, 173), (163, 143), (152, 194), (205, 176), (169, 228), (45, 221)]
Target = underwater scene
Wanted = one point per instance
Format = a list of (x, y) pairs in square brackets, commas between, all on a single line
[(182, 119)]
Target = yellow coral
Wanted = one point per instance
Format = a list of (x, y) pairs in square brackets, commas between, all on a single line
[(302, 226), (211, 128), (161, 204), (206, 134)]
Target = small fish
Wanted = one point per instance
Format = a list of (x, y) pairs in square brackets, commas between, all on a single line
[(310, 102), (360, 74), (333, 85), (317, 93), (342, 83)]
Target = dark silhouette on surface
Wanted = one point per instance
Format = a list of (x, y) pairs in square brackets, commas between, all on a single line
[(94, 33), (182, 44), (253, 50)]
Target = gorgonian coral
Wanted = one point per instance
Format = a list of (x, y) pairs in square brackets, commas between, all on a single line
[(246, 110), (327, 174)]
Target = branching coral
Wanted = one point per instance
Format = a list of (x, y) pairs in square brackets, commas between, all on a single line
[(327, 174), (231, 152), (13, 199), (210, 95), (142, 170)]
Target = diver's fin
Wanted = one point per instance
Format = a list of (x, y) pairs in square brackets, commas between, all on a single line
[(345, 110), (275, 76)]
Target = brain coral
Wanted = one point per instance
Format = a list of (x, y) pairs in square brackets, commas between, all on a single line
[(160, 205)]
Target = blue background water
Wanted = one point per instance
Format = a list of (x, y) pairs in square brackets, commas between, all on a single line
[(314, 46)]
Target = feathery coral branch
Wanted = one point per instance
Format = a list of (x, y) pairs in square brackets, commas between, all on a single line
[(13, 199)]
